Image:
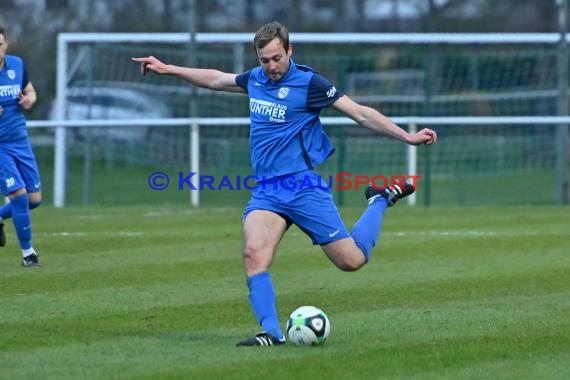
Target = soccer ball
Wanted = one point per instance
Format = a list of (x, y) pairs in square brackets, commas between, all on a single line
[(308, 326)]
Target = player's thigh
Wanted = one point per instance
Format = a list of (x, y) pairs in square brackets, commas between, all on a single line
[(317, 215), (314, 211), (345, 254), (35, 197)]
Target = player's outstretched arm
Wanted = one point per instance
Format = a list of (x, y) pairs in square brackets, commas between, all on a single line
[(207, 78), (374, 120)]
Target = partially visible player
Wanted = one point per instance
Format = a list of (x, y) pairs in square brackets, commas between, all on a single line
[(288, 140), (19, 174)]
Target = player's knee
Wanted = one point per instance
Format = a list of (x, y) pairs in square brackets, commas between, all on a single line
[(351, 263), (35, 198), (248, 252), (255, 261), (252, 254), (34, 204)]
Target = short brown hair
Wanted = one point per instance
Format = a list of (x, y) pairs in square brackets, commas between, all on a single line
[(4, 32), (268, 33)]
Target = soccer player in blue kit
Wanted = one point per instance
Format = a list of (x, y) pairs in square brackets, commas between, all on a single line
[(19, 174), (288, 140)]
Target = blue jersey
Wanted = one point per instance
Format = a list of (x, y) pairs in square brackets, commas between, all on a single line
[(286, 134), (13, 79)]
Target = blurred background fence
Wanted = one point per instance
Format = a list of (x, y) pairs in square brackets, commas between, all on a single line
[(404, 75)]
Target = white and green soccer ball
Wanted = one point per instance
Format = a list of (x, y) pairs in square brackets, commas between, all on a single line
[(308, 326)]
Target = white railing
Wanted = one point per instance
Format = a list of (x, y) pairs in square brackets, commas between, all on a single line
[(412, 124)]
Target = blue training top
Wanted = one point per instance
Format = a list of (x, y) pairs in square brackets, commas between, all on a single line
[(286, 135), (13, 79)]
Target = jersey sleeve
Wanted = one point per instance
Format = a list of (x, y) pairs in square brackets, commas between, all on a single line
[(242, 79), (25, 78), (322, 93)]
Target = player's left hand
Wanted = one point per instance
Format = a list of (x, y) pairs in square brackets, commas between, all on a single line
[(425, 136), (25, 101), (151, 63)]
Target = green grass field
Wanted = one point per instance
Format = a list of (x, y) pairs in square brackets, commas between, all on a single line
[(159, 293)]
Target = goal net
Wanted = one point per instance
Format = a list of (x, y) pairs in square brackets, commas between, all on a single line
[(400, 76)]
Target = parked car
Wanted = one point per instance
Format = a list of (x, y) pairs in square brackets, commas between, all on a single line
[(85, 103)]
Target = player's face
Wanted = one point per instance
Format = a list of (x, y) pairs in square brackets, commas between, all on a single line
[(274, 59), (3, 48)]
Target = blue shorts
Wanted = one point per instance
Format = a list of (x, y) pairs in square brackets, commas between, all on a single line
[(303, 199), (18, 167)]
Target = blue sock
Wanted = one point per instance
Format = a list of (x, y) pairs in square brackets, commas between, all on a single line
[(262, 300), (21, 220), (367, 229), (6, 210)]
